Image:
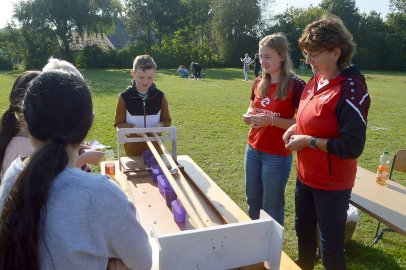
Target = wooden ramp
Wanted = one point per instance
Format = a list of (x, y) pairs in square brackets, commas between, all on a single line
[(216, 234), (230, 242)]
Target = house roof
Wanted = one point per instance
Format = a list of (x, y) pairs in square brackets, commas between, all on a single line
[(78, 42)]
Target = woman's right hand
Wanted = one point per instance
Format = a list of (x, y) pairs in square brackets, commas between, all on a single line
[(288, 134), (247, 118)]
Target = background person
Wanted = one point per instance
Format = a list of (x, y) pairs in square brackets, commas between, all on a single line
[(142, 105), (257, 65), (183, 72), (14, 138), (88, 156), (330, 128), (53, 215), (246, 61), (196, 69), (274, 99)]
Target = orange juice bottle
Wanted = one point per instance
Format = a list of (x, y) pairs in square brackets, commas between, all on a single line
[(382, 173), (109, 166)]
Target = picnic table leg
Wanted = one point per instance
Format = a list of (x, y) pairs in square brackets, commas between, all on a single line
[(379, 234)]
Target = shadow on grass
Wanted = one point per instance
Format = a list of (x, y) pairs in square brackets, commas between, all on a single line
[(361, 256)]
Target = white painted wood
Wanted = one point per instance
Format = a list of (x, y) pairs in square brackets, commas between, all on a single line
[(223, 247), (276, 242), (172, 136)]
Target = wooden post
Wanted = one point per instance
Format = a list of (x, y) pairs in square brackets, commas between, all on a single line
[(183, 199)]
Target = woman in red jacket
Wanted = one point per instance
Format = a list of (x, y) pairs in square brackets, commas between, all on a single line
[(329, 135)]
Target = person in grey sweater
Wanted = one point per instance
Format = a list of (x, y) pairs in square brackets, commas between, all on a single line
[(53, 215)]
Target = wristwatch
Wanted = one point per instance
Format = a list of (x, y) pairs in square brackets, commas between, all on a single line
[(313, 143)]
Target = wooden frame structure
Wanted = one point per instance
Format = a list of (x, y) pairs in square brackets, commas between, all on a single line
[(217, 234)]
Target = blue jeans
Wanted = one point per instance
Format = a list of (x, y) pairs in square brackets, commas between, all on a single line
[(266, 176), (328, 209)]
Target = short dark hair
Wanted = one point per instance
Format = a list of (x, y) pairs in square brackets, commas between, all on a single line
[(144, 62)]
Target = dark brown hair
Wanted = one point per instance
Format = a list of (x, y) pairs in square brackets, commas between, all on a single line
[(328, 33), (58, 111), (10, 125)]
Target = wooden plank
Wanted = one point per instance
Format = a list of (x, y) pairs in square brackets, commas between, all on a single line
[(151, 205), (228, 209), (385, 203), (174, 184), (287, 263), (186, 195), (185, 185)]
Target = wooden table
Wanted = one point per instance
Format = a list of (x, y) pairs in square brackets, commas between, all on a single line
[(385, 203), (153, 212)]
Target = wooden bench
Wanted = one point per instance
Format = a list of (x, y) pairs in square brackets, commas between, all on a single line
[(385, 203)]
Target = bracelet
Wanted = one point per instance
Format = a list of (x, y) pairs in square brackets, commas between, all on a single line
[(272, 121)]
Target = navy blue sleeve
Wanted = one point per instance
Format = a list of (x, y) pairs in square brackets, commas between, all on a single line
[(352, 112), (298, 86)]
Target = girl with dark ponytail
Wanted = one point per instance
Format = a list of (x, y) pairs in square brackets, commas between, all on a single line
[(13, 136), (53, 215)]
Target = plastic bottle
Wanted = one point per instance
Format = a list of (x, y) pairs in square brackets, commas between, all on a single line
[(109, 154), (382, 172), (109, 166)]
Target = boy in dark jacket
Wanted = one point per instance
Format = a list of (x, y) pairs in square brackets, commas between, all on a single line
[(142, 105)]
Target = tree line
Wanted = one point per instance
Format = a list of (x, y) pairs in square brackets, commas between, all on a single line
[(215, 33)]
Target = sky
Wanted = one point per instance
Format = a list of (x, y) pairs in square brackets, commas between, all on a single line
[(382, 6), (366, 6)]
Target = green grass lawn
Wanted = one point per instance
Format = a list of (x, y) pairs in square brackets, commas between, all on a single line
[(207, 113)]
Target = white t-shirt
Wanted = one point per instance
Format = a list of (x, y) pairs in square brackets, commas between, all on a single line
[(88, 220), (247, 60)]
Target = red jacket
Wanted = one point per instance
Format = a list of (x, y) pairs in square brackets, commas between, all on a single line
[(337, 112)]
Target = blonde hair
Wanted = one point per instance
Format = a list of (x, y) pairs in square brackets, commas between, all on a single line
[(54, 63), (280, 44), (328, 33), (144, 62)]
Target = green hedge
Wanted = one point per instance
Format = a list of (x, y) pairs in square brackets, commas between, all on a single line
[(5, 64), (167, 56)]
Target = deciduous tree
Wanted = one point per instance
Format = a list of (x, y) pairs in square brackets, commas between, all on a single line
[(62, 17)]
